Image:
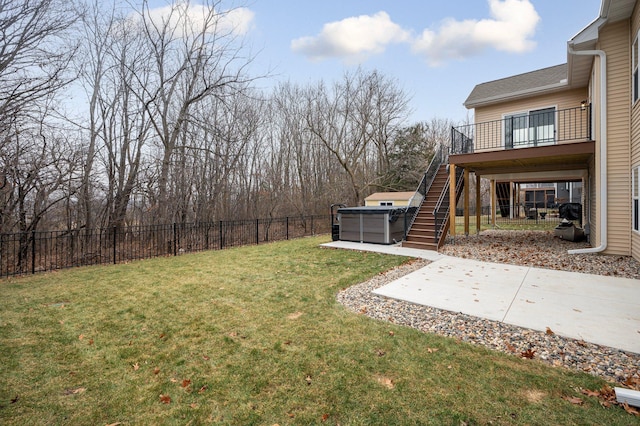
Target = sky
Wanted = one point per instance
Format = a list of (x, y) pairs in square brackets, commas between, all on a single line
[(436, 51)]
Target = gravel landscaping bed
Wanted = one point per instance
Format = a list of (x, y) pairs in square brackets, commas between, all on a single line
[(527, 248)]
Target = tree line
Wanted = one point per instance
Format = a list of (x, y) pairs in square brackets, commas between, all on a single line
[(114, 116)]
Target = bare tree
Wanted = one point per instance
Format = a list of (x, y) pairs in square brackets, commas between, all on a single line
[(194, 56), (355, 121), (33, 67), (34, 54)]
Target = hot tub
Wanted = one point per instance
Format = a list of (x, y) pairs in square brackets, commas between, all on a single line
[(378, 225)]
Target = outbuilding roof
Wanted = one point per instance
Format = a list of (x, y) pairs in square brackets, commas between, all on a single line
[(513, 87), (390, 196)]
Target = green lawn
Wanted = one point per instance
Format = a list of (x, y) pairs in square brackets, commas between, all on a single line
[(253, 335)]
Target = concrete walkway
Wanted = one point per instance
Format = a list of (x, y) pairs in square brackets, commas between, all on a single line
[(594, 308)]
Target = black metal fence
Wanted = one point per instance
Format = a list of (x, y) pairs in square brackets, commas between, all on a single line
[(40, 251), (519, 217)]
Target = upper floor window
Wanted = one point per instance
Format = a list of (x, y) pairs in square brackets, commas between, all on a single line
[(634, 71), (386, 203), (533, 128)]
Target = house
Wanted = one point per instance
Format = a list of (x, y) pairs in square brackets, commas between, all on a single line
[(399, 199), (576, 123)]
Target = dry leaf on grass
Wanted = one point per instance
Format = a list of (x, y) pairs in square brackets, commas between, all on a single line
[(136, 366), (294, 315), (386, 382), (630, 410), (186, 383), (165, 399), (74, 391), (573, 399), (607, 397)]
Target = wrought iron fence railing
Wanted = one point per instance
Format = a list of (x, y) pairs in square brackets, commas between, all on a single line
[(525, 130), (40, 251)]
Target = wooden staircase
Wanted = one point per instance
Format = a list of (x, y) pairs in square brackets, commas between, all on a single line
[(422, 234), (502, 195)]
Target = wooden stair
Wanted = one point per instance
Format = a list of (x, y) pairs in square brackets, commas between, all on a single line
[(422, 234), (502, 196)]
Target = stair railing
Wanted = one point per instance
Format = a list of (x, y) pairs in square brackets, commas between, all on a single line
[(440, 156), (441, 210)]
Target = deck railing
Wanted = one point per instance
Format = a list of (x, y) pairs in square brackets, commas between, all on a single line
[(440, 157), (526, 130)]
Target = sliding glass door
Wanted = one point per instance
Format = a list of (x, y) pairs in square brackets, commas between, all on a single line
[(534, 128)]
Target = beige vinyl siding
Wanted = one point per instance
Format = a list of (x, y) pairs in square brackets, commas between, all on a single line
[(561, 100), (614, 40), (635, 130)]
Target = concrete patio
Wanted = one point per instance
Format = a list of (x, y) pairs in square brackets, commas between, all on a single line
[(594, 308)]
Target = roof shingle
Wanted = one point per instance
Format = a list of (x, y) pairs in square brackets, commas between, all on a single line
[(512, 87)]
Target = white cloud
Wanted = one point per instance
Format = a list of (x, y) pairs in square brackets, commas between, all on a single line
[(193, 17), (352, 39), (512, 24)]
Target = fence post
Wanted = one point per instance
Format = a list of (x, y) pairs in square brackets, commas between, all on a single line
[(221, 243), (257, 232), (115, 239), (404, 237), (312, 225), (175, 242), (33, 251), (287, 227)]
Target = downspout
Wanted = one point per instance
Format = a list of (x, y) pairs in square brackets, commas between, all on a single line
[(603, 150)]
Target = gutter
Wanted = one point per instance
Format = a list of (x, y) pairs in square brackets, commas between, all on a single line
[(603, 149)]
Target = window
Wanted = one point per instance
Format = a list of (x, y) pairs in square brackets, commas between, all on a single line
[(635, 195), (386, 203), (634, 71), (533, 128)]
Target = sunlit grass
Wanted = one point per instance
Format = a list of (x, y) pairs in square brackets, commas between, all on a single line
[(252, 335)]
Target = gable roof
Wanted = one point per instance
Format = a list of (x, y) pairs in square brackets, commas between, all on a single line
[(527, 84)]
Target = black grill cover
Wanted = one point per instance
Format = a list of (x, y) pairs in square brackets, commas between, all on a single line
[(570, 211)]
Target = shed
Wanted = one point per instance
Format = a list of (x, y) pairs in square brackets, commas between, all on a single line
[(395, 199)]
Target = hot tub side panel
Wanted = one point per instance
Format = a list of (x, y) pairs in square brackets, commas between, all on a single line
[(350, 227)]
